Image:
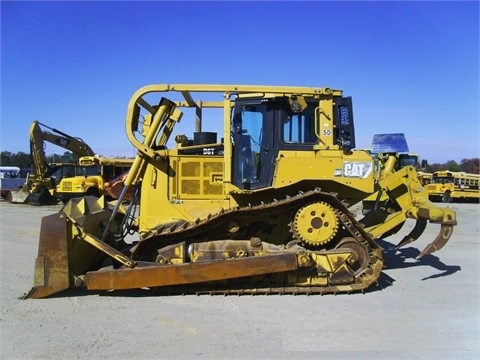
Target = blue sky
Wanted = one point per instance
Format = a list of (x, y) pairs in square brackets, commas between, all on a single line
[(410, 67)]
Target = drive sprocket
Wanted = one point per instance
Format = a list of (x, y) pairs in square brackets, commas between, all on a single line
[(315, 224)]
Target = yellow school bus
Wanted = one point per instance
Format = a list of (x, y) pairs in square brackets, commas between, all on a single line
[(450, 186), (91, 175)]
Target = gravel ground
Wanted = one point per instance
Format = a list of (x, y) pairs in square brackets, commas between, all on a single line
[(426, 309)]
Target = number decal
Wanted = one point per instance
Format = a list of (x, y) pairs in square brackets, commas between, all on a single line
[(208, 151)]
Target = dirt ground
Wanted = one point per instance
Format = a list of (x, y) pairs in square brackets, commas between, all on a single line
[(426, 309)]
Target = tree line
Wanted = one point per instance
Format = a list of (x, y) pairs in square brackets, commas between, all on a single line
[(24, 162), (471, 166)]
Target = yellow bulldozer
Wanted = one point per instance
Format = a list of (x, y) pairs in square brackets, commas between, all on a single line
[(262, 207)]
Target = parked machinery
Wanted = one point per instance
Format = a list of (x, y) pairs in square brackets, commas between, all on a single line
[(264, 209), (10, 179), (95, 175), (383, 147), (39, 189)]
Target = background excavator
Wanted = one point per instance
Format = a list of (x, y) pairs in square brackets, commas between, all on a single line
[(39, 189), (265, 209)]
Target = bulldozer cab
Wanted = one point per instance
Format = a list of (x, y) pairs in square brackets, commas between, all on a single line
[(263, 127)]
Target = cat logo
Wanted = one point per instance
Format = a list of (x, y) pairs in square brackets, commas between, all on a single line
[(357, 169), (62, 142)]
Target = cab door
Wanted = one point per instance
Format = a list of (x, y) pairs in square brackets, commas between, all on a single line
[(254, 154)]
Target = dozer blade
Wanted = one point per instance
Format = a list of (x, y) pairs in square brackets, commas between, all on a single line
[(51, 266), (42, 198), (18, 197), (441, 239), (69, 246)]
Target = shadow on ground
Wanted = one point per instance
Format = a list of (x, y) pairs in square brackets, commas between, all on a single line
[(406, 257)]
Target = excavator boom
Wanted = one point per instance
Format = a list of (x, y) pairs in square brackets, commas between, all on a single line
[(68, 142)]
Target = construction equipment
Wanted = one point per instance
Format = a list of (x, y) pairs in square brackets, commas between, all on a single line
[(262, 210), (113, 188), (10, 179), (96, 176), (40, 186), (383, 147)]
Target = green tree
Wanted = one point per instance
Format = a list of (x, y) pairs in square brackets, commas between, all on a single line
[(6, 158), (452, 165), (67, 157), (20, 159)]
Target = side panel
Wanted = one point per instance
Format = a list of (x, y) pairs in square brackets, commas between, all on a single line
[(183, 188), (196, 177), (329, 170)]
